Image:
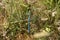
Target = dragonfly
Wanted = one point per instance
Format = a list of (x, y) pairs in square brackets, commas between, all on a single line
[(29, 2), (29, 14)]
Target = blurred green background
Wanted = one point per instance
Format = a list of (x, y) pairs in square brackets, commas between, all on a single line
[(44, 16)]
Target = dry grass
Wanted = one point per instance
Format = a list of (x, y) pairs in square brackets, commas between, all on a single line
[(13, 14)]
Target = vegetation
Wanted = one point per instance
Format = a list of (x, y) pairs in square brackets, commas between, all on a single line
[(44, 19)]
